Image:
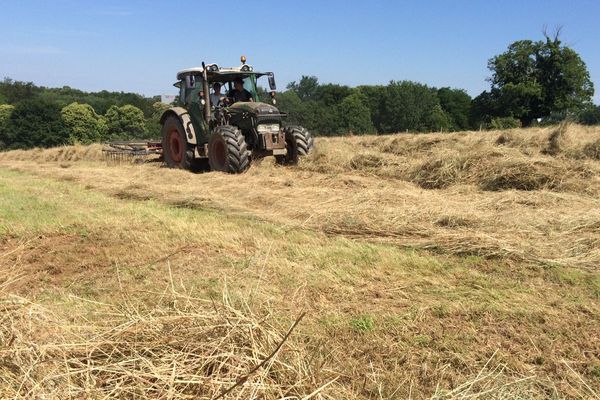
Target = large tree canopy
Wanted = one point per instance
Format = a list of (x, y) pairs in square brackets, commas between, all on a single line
[(538, 79), (84, 125), (456, 104), (36, 123), (126, 121)]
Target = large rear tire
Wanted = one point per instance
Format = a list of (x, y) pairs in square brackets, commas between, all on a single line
[(299, 142), (176, 151), (228, 151)]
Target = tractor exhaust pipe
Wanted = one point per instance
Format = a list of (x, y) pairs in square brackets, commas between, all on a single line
[(206, 89)]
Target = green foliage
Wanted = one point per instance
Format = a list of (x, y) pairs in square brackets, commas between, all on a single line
[(125, 122), (153, 127), (306, 89), (364, 323), (353, 116), (590, 116), (83, 124), (438, 119), (158, 109), (36, 122), (331, 95), (409, 106), (373, 97), (5, 113), (504, 123), (536, 79), (12, 92), (483, 107), (456, 103), (309, 113), (335, 109), (83, 121)]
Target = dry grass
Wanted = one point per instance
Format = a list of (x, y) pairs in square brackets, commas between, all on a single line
[(181, 347), (57, 154), (515, 200), (440, 266)]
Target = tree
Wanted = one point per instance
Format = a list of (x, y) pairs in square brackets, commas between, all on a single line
[(353, 116), (5, 113), (289, 102), (437, 119), (307, 88), (311, 114), (408, 106), (125, 122), (84, 125), (372, 97), (456, 103), (500, 123), (536, 79), (153, 126), (13, 92), (331, 94), (590, 116), (483, 109), (36, 123)]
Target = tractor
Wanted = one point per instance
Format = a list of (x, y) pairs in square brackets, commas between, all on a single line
[(229, 135)]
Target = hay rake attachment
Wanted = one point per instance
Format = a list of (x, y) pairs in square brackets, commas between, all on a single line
[(132, 152)]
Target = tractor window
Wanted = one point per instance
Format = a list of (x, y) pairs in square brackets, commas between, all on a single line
[(182, 94), (192, 93), (250, 85)]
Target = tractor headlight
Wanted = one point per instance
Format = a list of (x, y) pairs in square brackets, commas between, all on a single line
[(267, 128)]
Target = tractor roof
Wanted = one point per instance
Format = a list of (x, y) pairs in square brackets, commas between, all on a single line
[(215, 73)]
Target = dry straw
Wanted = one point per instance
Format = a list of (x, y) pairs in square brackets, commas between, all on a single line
[(182, 347), (531, 195)]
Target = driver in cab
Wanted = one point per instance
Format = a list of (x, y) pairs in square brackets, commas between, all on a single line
[(239, 93)]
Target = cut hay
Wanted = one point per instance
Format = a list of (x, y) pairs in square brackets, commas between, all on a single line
[(181, 347), (519, 202)]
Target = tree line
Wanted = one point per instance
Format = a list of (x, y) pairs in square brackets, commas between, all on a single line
[(36, 116), (532, 82)]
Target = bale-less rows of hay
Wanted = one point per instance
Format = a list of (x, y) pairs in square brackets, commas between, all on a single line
[(562, 158), (493, 199)]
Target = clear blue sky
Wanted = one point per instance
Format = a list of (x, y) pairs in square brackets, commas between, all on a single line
[(139, 45)]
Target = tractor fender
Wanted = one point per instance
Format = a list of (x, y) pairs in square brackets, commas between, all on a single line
[(185, 119)]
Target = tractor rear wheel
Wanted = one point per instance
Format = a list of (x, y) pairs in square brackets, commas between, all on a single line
[(228, 151), (176, 152), (299, 142)]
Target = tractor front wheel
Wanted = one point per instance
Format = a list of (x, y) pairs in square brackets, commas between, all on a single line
[(176, 152), (299, 142), (228, 151)]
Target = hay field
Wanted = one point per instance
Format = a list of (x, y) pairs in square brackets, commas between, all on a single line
[(459, 265)]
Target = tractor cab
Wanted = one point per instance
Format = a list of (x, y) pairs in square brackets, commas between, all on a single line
[(191, 82)]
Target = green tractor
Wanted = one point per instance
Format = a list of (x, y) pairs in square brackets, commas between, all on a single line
[(227, 136)]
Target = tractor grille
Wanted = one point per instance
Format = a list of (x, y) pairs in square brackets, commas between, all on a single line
[(269, 119)]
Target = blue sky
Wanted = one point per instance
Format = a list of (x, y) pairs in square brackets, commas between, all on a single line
[(139, 45)]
